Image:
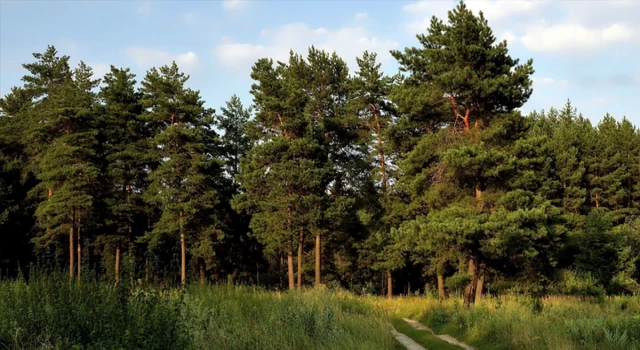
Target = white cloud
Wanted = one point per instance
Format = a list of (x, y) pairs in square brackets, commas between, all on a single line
[(550, 81), (493, 10), (361, 16), (234, 4), (146, 58), (144, 8), (100, 69), (348, 43), (508, 36), (188, 17), (424, 10), (566, 37), (497, 10)]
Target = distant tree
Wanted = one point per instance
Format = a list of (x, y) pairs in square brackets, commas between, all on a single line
[(235, 140)]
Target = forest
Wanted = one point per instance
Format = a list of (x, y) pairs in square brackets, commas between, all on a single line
[(427, 181)]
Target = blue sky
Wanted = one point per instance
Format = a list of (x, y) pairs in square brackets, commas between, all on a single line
[(583, 50)]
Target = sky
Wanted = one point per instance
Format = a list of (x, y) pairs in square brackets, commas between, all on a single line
[(586, 51)]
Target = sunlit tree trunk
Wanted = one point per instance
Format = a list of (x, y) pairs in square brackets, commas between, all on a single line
[(389, 285), (318, 247)]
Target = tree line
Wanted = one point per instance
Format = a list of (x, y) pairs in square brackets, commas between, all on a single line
[(430, 178)]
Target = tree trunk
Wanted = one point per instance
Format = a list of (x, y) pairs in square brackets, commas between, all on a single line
[(183, 255), (389, 285), (147, 270), (117, 267), (318, 247), (130, 257), (130, 234), (202, 277), (79, 262), (470, 292), (480, 285), (300, 243), (479, 199), (290, 266), (383, 173), (71, 247), (441, 286)]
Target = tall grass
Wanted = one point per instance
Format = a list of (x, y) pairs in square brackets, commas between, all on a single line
[(55, 313), (511, 322)]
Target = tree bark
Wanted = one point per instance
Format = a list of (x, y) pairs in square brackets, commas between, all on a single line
[(300, 244), (480, 285), (318, 247), (117, 267), (71, 246), (130, 245), (290, 266), (380, 151), (130, 257), (79, 262), (147, 268), (202, 277), (183, 255), (470, 292), (389, 285), (465, 119), (441, 286), (479, 199)]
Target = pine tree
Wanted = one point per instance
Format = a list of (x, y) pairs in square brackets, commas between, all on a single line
[(482, 85), (125, 146), (233, 121), (282, 177), (369, 101), (627, 142), (326, 86), (179, 186), (67, 167)]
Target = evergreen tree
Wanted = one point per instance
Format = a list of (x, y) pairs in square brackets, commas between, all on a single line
[(233, 121), (125, 142), (482, 85), (282, 177), (179, 186), (67, 166), (369, 100), (326, 86)]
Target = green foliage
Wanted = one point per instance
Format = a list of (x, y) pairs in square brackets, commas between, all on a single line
[(424, 176)]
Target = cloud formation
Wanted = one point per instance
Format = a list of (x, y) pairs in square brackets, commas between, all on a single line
[(348, 42), (233, 5), (146, 58), (361, 16), (566, 37), (144, 8)]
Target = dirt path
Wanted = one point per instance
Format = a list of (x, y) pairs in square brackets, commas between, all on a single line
[(407, 342), (449, 339)]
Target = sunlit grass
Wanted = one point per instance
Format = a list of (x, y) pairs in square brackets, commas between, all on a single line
[(54, 313), (511, 322)]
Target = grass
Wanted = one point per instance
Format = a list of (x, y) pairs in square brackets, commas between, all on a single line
[(54, 313), (424, 338), (512, 322)]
